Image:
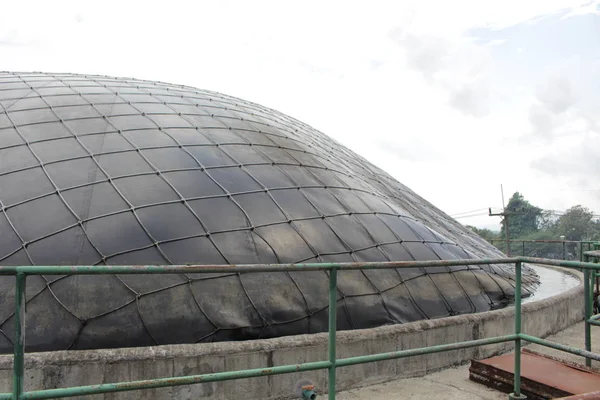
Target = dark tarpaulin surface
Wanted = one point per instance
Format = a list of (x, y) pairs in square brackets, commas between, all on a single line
[(98, 170)]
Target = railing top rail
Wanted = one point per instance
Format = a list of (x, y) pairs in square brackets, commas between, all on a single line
[(544, 241), (561, 263), (234, 268)]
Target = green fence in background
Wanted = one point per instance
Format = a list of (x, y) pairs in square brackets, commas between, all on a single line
[(591, 270), (554, 249)]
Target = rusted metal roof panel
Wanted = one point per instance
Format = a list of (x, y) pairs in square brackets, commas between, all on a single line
[(542, 376)]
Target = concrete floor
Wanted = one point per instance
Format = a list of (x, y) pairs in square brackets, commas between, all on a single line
[(451, 383), (454, 383)]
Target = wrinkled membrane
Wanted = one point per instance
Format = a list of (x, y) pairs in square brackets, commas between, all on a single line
[(98, 170)]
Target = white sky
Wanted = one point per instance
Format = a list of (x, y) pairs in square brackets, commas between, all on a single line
[(452, 98)]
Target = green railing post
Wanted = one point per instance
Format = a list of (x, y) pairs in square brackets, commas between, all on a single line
[(516, 395), (587, 292), (332, 331), (19, 340)]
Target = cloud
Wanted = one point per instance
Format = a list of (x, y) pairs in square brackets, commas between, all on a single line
[(553, 111), (471, 99), (458, 65), (4, 42), (403, 100), (579, 160), (541, 120), (495, 42), (556, 94), (375, 64), (411, 149), (424, 53), (591, 8), (572, 151), (10, 38)]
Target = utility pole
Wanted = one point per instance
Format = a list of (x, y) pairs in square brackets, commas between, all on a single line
[(505, 214)]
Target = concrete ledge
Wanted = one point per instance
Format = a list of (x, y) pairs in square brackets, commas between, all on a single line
[(77, 368)]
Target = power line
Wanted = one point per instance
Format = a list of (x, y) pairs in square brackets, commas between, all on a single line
[(468, 212), (470, 216), (559, 213), (477, 213)]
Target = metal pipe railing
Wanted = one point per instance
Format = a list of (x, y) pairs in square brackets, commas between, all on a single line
[(189, 269), (581, 244), (332, 332), (517, 374), (21, 273), (590, 275)]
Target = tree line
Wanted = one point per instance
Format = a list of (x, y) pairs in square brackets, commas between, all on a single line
[(528, 222)]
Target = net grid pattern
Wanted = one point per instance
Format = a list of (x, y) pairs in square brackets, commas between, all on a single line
[(264, 188)]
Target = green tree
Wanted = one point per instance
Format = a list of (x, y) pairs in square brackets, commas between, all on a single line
[(548, 221), (576, 224), (546, 247), (526, 221), (485, 233), (595, 230)]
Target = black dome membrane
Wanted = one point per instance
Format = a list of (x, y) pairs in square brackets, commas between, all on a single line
[(98, 170)]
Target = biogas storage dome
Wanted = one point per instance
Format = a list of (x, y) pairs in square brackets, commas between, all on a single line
[(97, 170)]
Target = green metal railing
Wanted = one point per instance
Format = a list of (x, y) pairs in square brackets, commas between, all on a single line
[(563, 249), (591, 277), (332, 362)]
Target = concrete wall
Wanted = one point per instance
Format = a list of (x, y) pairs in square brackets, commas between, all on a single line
[(75, 368)]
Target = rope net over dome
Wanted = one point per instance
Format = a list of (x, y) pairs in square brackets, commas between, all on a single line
[(98, 170)]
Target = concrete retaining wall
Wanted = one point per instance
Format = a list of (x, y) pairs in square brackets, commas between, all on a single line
[(76, 368)]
